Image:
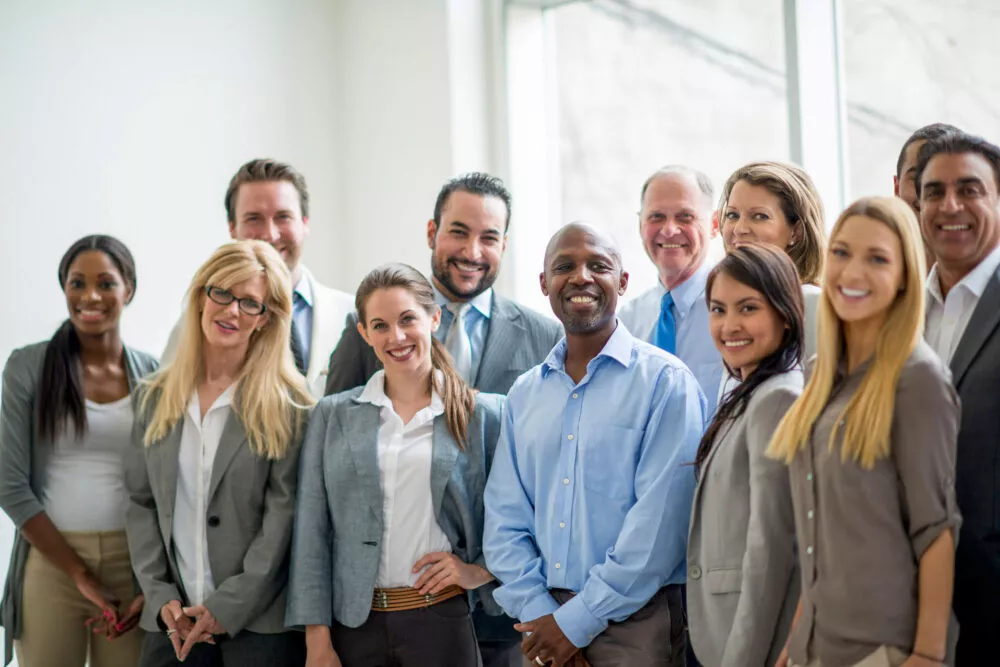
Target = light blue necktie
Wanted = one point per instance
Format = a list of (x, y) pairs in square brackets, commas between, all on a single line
[(666, 327)]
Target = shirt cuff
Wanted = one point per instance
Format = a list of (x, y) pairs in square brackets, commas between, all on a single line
[(578, 623), (543, 605)]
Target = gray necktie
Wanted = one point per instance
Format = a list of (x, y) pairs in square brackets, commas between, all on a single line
[(457, 341)]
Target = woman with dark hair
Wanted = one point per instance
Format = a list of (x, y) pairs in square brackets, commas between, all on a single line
[(387, 545), (65, 423), (742, 574)]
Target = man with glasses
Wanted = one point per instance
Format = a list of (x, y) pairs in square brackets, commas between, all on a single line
[(268, 201)]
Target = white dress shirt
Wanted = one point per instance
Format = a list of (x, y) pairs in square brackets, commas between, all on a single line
[(948, 316), (199, 442), (409, 528)]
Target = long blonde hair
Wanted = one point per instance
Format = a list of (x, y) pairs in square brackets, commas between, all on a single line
[(869, 413), (801, 204), (458, 398), (271, 395)]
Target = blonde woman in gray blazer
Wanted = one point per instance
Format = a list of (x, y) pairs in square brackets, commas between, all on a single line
[(212, 473), (387, 553), (743, 582)]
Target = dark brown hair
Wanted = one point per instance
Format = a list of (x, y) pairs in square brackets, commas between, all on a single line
[(771, 272), (61, 393), (262, 170), (459, 399)]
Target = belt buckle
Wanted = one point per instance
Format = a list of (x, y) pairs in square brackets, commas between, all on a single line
[(381, 599)]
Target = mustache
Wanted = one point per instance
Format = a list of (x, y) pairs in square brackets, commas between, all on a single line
[(478, 265)]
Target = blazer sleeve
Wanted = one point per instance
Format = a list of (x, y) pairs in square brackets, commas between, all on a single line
[(352, 362), (769, 561), (17, 412), (241, 598), (310, 590), (492, 418), (148, 553)]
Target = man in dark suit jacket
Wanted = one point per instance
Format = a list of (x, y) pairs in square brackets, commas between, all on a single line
[(958, 178), (493, 341)]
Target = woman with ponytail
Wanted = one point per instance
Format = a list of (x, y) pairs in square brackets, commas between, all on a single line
[(871, 446), (387, 549), (65, 425)]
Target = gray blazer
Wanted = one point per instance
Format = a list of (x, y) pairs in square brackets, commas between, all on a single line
[(517, 339), (338, 514), (24, 462), (249, 528), (743, 575)]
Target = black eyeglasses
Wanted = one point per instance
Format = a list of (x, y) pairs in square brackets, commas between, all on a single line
[(225, 297)]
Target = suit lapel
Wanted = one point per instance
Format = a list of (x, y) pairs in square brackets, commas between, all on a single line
[(444, 452), (233, 438), (983, 322), (361, 432), (167, 453), (505, 329)]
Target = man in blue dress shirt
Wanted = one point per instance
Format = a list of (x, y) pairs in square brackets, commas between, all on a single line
[(589, 497)]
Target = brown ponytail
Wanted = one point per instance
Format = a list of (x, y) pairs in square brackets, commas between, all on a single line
[(459, 399)]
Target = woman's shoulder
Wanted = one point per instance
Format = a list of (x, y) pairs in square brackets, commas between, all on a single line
[(924, 365), (777, 392), (336, 402), (143, 362), (26, 361)]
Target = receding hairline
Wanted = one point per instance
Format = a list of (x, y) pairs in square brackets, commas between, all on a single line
[(700, 179)]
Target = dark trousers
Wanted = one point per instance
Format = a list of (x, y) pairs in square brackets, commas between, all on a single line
[(247, 649), (651, 637), (440, 635), (499, 642)]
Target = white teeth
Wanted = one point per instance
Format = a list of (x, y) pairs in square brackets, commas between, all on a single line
[(582, 299), (955, 228), (853, 293), (399, 354), (467, 267), (736, 343), (670, 245)]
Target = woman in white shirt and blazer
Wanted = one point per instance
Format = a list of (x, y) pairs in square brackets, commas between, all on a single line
[(389, 518), (213, 470), (743, 581)]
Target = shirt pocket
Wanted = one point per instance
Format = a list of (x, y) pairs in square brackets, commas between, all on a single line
[(609, 456)]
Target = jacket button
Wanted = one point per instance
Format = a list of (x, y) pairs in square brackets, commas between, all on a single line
[(213, 521), (695, 572)]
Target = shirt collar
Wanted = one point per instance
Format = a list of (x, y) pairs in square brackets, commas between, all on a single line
[(975, 281), (481, 302), (304, 289), (224, 400), (691, 290), (619, 347), (374, 393)]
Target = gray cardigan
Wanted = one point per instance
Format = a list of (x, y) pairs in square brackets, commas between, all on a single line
[(338, 513), (23, 463)]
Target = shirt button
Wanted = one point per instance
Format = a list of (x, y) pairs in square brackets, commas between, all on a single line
[(562, 524), (558, 566), (576, 395), (810, 514), (809, 477), (569, 437), (565, 481), (809, 550), (695, 572)]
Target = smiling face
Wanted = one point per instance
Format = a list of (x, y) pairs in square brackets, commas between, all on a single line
[(745, 326), (753, 214), (95, 292), (271, 211), (675, 223), (583, 279), (227, 328), (399, 330), (865, 270), (959, 210), (468, 244)]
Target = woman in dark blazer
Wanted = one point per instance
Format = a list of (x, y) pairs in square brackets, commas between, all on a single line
[(212, 472), (742, 574), (65, 425), (389, 517)]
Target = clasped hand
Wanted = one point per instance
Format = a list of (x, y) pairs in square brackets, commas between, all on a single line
[(186, 626)]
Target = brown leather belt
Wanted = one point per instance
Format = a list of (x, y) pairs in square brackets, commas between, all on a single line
[(402, 599)]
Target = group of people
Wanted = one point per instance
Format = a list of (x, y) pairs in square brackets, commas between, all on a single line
[(790, 458)]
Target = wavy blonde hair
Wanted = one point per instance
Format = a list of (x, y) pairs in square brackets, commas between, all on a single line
[(868, 415), (271, 396), (801, 204)]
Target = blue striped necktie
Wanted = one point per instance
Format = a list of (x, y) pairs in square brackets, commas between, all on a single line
[(666, 327)]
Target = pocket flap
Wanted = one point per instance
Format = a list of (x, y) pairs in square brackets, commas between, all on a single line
[(724, 580)]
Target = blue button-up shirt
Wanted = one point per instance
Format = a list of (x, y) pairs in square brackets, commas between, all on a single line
[(302, 313), (591, 485), (477, 323)]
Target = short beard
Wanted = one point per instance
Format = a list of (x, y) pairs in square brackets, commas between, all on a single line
[(439, 269)]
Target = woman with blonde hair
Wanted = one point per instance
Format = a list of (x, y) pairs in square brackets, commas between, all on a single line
[(212, 474), (387, 554), (777, 203), (871, 446)]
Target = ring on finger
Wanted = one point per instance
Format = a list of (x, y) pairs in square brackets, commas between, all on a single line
[(171, 632), (539, 661)]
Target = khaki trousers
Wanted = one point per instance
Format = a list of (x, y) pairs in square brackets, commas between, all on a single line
[(54, 612), (884, 656)]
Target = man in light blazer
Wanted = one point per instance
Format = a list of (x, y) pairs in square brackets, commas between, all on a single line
[(496, 341), (957, 180), (268, 201)]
